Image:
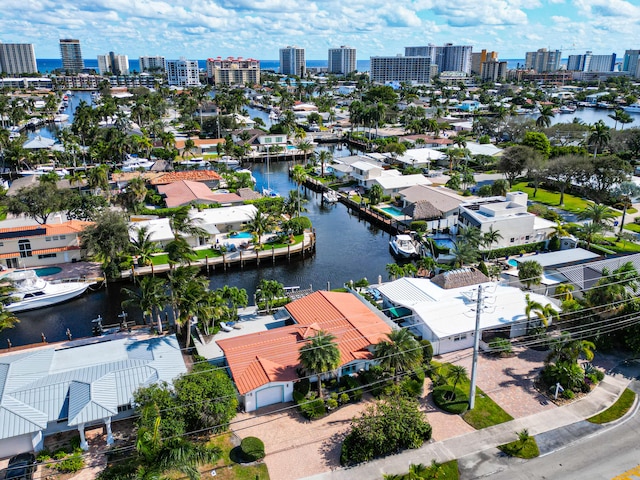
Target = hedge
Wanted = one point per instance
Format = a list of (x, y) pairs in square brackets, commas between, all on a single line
[(252, 449), (516, 250)]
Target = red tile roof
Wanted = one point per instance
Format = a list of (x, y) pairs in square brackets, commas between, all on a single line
[(260, 358), (190, 175), (184, 192), (40, 252), (72, 226)]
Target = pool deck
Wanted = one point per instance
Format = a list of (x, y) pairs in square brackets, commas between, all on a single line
[(78, 270), (250, 322)]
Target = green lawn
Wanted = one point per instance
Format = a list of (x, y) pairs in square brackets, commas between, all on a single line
[(269, 246), (617, 410), (528, 449), (622, 246), (571, 203), (227, 469), (632, 227), (163, 258), (485, 413)]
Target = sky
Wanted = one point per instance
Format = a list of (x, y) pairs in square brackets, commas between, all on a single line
[(198, 29)]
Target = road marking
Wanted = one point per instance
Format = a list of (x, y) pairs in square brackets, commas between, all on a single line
[(629, 474)]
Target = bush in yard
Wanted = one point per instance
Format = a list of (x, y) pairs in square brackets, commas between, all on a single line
[(71, 464), (427, 351), (456, 404), (351, 387), (389, 426), (252, 449), (303, 386), (376, 378), (411, 388), (501, 346), (344, 398), (312, 407), (332, 403)]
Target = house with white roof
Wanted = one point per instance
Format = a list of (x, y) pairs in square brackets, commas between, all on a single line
[(392, 184), (509, 216), (365, 173), (419, 157), (441, 309), (77, 384)]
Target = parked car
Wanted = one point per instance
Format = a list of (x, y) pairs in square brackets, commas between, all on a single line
[(21, 467)]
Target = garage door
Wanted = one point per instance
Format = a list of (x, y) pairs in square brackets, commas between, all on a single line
[(269, 396), (15, 445)]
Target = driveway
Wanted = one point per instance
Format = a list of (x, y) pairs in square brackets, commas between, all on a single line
[(298, 448)]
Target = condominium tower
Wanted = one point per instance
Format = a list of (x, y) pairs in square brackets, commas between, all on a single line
[(342, 60), (448, 58), (631, 62), (182, 73), (543, 60), (591, 63), (113, 63), (415, 70), (478, 58), (292, 61), (233, 71), (17, 58), (71, 54), (152, 64)]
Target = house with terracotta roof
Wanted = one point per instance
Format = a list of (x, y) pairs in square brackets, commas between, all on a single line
[(202, 146), (209, 177), (34, 245), (264, 364)]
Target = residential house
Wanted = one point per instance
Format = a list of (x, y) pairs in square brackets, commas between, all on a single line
[(264, 364), (185, 192), (392, 184), (417, 158), (365, 173), (442, 202), (209, 177), (201, 146), (441, 309), (77, 384), (267, 141), (33, 245), (508, 215)]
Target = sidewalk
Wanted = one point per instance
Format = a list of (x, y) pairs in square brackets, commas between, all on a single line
[(605, 394)]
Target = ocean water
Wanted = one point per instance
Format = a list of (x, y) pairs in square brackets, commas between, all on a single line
[(47, 65)]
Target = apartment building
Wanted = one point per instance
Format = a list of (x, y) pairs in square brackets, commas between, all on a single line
[(152, 64), (71, 55), (182, 73), (416, 70), (630, 62), (17, 58), (292, 61), (113, 63), (233, 71), (591, 63), (342, 60), (448, 57), (493, 71), (478, 58), (543, 60)]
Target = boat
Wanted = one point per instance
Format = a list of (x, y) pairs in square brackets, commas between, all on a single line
[(330, 196), (44, 170), (402, 246), (270, 192), (61, 118), (33, 292), (567, 109), (133, 163), (633, 108)]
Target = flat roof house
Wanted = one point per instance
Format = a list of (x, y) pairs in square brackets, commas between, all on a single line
[(264, 364), (75, 384)]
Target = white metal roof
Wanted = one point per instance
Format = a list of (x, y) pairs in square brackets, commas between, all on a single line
[(402, 181), (560, 257), (82, 383)]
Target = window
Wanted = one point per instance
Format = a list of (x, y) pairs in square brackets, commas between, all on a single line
[(47, 255), (461, 336), (347, 369), (24, 246), (1, 244), (512, 240), (124, 408), (55, 237), (62, 237), (527, 237), (47, 239)]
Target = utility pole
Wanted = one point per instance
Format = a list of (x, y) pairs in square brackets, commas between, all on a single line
[(476, 347)]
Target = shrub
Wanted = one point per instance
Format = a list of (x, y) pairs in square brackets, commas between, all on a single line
[(442, 398), (599, 375), (303, 386), (411, 387), (375, 377), (418, 226), (71, 464), (419, 374), (568, 394), (501, 346), (332, 403), (484, 139), (298, 397), (312, 408), (252, 449), (297, 225), (344, 398), (485, 191), (43, 456), (60, 454), (427, 351), (585, 387), (351, 387)]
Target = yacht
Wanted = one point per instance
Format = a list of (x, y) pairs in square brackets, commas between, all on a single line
[(33, 292), (402, 246), (633, 108), (330, 196), (132, 164), (567, 109)]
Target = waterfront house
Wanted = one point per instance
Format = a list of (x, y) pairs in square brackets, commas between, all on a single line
[(441, 309), (28, 244), (393, 182), (267, 141), (442, 202), (185, 192), (210, 178), (509, 216), (365, 173), (78, 384), (202, 146), (264, 364)]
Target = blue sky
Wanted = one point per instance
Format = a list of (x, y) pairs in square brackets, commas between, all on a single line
[(198, 29)]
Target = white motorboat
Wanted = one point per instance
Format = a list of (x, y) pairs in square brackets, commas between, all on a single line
[(270, 192), (132, 164), (633, 108), (44, 170), (330, 196), (567, 109), (402, 246), (33, 292)]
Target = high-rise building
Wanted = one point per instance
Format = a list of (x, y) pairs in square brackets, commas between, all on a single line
[(342, 60), (292, 61), (152, 64), (449, 57), (71, 54), (478, 58), (17, 58), (630, 63), (493, 71), (401, 69), (113, 63), (182, 73), (233, 71), (591, 63), (543, 60)]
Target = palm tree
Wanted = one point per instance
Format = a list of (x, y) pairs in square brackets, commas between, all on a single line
[(464, 253), (306, 148), (530, 273), (7, 318), (299, 175), (566, 349), (259, 224), (564, 291), (590, 232), (626, 191), (269, 290), (324, 157), (98, 178), (179, 251), (235, 297), (490, 237), (427, 264), (457, 373), (545, 313), (400, 353), (182, 223), (559, 230), (189, 300), (597, 213), (143, 247), (546, 114), (394, 270), (150, 297), (320, 356), (615, 116), (599, 136)]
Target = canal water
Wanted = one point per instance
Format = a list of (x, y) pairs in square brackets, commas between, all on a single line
[(347, 249)]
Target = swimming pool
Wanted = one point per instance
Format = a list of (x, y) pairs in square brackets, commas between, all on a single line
[(291, 147), (444, 243), (278, 324), (241, 235), (393, 211), (513, 262)]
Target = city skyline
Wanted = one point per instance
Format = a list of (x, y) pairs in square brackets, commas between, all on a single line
[(260, 28)]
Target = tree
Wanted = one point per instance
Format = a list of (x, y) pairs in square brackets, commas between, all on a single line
[(143, 247), (464, 253), (299, 175), (37, 202), (490, 237), (607, 172), (546, 114), (375, 194), (179, 252), (98, 178), (269, 290), (545, 313), (456, 373), (320, 356), (259, 224), (499, 188), (150, 297), (394, 270), (567, 168), (324, 157), (191, 300), (597, 213), (567, 349), (536, 169), (400, 353), (538, 141), (235, 297), (513, 162), (626, 192), (529, 273), (599, 137), (107, 240), (7, 318)]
